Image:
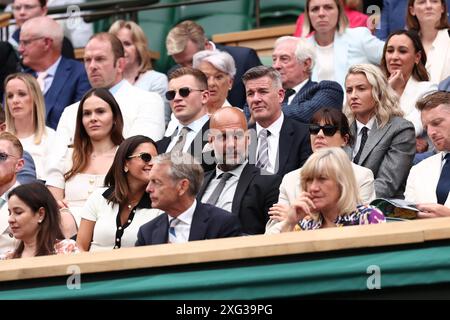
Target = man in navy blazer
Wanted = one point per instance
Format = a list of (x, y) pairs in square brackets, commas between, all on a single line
[(188, 38), (175, 180), (294, 59), (64, 81), (281, 145)]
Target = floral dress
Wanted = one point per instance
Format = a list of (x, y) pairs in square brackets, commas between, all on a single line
[(66, 246)]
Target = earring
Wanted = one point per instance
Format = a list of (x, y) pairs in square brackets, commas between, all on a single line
[(126, 169), (40, 221)]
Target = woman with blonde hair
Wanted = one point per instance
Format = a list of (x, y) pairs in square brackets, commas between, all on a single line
[(337, 46), (138, 68), (385, 142), (329, 196), (25, 118), (429, 19)]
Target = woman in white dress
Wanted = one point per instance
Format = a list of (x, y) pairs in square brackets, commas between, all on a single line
[(98, 133), (429, 18), (403, 63), (25, 118), (138, 68), (113, 215)]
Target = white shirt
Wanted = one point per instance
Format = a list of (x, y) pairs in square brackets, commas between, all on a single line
[(225, 200), (183, 228), (195, 126), (7, 242), (359, 126), (297, 89), (48, 80), (326, 66), (273, 142)]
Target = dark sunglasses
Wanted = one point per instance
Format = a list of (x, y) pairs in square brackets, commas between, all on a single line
[(145, 156), (4, 156), (184, 92), (329, 130)]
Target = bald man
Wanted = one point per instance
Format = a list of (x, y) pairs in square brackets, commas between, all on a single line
[(236, 185), (63, 81)]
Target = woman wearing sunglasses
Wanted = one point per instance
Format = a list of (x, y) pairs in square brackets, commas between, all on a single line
[(98, 134), (385, 141), (113, 215), (329, 196), (329, 128), (25, 118)]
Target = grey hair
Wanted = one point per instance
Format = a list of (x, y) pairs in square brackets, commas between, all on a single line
[(183, 166), (263, 71), (220, 60), (46, 27), (304, 49)]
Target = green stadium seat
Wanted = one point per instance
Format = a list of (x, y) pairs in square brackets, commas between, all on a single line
[(224, 23), (279, 12)]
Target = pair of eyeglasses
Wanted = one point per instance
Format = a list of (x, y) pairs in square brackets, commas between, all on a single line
[(26, 42), (145, 156), (184, 92), (4, 156), (329, 130), (26, 7)]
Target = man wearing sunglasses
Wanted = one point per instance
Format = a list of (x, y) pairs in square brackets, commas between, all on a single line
[(236, 185), (294, 59), (11, 162), (282, 144), (187, 96)]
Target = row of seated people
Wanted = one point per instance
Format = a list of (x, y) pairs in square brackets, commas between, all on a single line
[(325, 191)]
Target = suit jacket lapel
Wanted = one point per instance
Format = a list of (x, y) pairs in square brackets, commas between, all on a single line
[(375, 135), (208, 177), (161, 230), (246, 177), (284, 144), (58, 82), (340, 56), (199, 141), (199, 224)]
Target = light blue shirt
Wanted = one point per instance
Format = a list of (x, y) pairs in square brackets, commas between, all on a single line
[(51, 71)]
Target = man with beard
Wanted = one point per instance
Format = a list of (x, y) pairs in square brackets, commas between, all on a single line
[(236, 185)]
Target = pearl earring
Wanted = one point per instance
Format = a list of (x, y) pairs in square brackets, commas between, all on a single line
[(126, 170)]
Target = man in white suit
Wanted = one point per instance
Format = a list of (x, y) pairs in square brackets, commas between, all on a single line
[(429, 181)]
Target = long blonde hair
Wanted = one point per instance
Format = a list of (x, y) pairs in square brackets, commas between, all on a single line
[(38, 110), (386, 100)]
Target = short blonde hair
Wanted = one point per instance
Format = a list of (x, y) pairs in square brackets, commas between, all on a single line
[(178, 37), (139, 40), (38, 111), (342, 22), (334, 164), (387, 103)]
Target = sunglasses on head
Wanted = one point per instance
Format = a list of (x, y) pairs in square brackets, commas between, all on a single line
[(4, 156), (145, 156), (184, 92), (329, 130)]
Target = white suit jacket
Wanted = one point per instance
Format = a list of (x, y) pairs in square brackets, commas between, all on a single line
[(438, 58), (354, 45), (290, 186), (423, 179)]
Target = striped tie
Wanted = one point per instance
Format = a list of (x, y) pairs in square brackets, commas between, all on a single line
[(263, 151), (172, 233)]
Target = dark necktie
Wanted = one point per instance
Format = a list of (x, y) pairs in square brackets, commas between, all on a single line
[(287, 94), (172, 234), (263, 151), (361, 146), (443, 186), (219, 188), (178, 147)]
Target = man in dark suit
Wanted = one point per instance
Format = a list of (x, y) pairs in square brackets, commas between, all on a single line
[(294, 59), (175, 179), (282, 144), (188, 94), (236, 185), (188, 38), (63, 81)]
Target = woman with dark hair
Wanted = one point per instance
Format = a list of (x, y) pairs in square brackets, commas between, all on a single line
[(98, 134), (429, 19), (113, 215), (34, 219), (328, 128), (403, 63)]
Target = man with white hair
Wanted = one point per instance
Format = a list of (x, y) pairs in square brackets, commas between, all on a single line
[(294, 59), (63, 81)]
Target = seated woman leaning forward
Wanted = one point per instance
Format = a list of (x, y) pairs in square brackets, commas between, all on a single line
[(329, 197), (34, 220)]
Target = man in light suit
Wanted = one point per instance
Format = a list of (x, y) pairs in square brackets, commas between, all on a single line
[(236, 185), (187, 95), (428, 183), (63, 81), (282, 144), (175, 179), (188, 38), (294, 58)]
